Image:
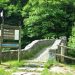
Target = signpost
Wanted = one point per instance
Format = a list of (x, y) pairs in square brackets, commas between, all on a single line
[(10, 33), (1, 15)]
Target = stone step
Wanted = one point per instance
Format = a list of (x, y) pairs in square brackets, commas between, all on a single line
[(33, 65), (26, 73), (34, 61), (30, 69)]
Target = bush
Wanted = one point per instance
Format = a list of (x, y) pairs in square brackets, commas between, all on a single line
[(71, 43)]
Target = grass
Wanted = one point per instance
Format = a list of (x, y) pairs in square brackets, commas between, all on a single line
[(3, 72), (15, 63), (72, 66), (45, 72), (52, 63), (7, 68)]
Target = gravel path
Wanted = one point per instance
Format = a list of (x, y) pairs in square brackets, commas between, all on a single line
[(62, 70)]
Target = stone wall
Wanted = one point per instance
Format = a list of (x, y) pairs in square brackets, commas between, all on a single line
[(29, 51)]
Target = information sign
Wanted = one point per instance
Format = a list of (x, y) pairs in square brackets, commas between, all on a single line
[(10, 34), (16, 36)]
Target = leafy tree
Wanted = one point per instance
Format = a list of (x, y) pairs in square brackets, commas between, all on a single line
[(48, 18)]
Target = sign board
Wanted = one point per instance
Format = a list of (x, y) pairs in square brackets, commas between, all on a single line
[(8, 32), (9, 45), (16, 36)]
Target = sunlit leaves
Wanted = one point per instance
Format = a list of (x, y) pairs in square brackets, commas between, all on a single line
[(3, 1), (31, 20), (51, 15)]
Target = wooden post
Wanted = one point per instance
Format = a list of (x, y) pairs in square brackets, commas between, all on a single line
[(1, 36), (1, 40), (19, 50), (58, 51), (62, 52), (63, 43)]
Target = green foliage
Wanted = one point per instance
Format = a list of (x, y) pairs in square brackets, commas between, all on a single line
[(48, 18), (14, 63), (72, 66), (71, 43), (45, 72), (3, 1), (3, 72), (49, 63)]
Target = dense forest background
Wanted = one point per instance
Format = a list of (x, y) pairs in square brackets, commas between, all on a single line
[(41, 19)]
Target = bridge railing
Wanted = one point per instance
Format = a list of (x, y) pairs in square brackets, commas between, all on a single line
[(65, 55), (57, 49)]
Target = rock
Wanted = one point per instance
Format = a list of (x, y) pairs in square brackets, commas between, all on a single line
[(26, 73), (58, 69), (18, 73), (31, 69)]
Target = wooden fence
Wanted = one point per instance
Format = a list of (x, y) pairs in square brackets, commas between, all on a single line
[(62, 55)]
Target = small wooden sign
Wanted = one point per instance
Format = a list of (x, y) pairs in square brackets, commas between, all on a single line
[(10, 32)]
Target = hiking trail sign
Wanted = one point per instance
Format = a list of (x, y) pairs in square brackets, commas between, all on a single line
[(10, 36)]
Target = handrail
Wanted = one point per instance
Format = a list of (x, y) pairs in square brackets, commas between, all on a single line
[(68, 57), (66, 47)]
